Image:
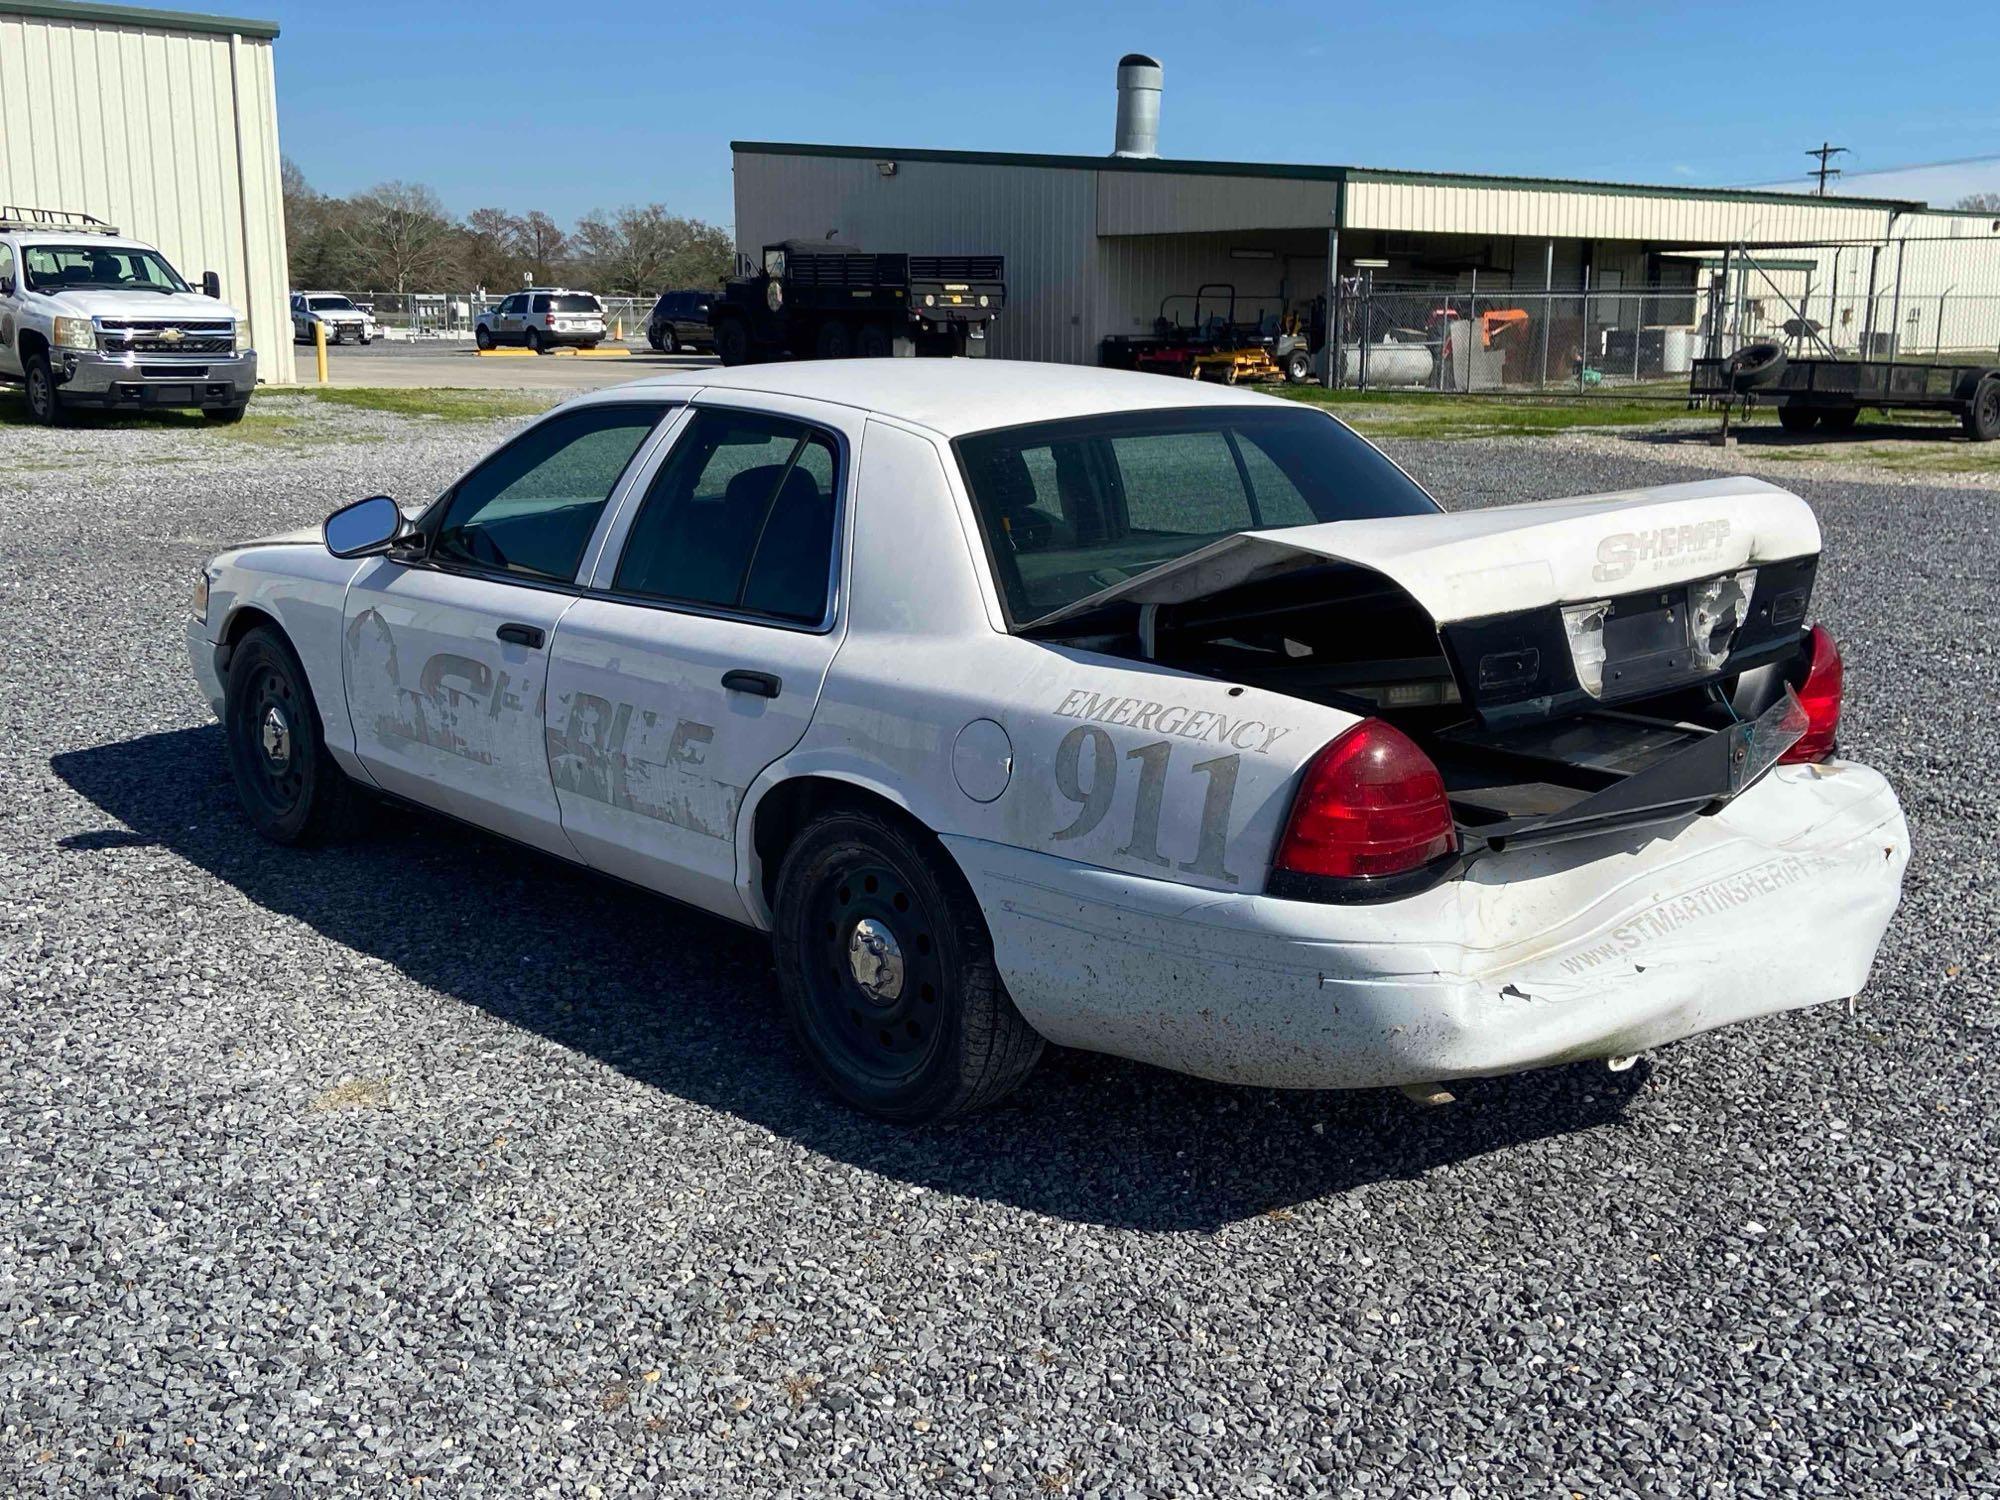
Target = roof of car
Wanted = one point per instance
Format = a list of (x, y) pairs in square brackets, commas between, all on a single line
[(76, 237), (956, 396)]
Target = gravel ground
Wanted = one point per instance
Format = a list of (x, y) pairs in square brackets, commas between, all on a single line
[(421, 1159)]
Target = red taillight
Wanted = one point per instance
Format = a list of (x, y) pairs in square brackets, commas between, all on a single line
[(548, 320), (1371, 804), (1819, 696)]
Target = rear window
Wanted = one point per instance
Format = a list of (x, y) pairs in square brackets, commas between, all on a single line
[(573, 304), (1072, 508)]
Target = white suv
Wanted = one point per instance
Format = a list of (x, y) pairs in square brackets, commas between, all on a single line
[(337, 311), (542, 317), (90, 318)]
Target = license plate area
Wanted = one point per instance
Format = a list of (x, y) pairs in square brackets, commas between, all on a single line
[(1646, 643)]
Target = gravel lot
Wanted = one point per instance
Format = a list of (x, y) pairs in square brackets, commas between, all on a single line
[(421, 1159)]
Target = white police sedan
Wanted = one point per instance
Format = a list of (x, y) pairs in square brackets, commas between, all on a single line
[(1026, 703)]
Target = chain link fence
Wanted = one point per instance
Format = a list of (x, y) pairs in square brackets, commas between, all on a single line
[(451, 315), (1625, 338)]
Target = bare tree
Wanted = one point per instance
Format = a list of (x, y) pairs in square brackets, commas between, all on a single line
[(1981, 203), (638, 251), (541, 244), (402, 235), (492, 249)]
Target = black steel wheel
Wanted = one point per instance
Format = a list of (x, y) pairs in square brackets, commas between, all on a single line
[(44, 405), (732, 341), (888, 975), (1796, 416), (835, 340), (288, 783), (1982, 417)]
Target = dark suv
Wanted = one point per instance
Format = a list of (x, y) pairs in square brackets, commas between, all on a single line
[(679, 320)]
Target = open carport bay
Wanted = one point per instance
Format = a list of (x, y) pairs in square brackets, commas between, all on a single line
[(421, 1158)]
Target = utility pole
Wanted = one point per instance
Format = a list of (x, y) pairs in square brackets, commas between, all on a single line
[(1826, 152)]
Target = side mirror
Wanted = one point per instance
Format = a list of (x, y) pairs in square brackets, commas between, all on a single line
[(211, 285), (365, 528)]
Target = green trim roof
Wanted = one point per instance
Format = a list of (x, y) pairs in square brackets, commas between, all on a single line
[(1307, 173), (132, 15)]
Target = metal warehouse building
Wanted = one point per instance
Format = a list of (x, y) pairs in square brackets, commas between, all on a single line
[(164, 124), (1098, 247)]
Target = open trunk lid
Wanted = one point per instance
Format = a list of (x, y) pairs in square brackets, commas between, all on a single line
[(1464, 565)]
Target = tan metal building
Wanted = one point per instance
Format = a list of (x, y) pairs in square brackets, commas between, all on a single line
[(163, 123), (1095, 244)]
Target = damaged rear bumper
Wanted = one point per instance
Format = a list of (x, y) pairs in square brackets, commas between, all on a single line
[(1606, 947)]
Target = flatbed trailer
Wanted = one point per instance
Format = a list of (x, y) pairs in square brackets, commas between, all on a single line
[(1830, 392)]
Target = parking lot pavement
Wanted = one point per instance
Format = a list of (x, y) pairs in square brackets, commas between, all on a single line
[(439, 363), (421, 1158)]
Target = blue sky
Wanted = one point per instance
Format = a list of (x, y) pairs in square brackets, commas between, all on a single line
[(572, 107)]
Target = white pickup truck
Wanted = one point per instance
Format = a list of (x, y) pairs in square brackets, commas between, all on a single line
[(91, 318)]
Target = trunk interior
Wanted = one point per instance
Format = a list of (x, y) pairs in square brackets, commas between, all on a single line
[(1527, 752)]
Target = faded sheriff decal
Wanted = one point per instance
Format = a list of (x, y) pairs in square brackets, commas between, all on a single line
[(634, 759), (453, 706), (1174, 719)]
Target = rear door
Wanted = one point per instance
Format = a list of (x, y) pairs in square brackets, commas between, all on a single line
[(446, 654), (697, 658)]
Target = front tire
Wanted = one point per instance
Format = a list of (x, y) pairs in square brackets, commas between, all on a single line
[(44, 405), (732, 341), (226, 416), (482, 338), (285, 778), (888, 976)]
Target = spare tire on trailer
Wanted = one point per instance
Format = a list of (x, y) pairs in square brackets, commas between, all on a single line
[(1754, 366)]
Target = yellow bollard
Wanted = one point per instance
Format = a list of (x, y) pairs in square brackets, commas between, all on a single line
[(319, 349)]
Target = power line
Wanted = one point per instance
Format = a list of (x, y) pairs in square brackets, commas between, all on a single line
[(1826, 152)]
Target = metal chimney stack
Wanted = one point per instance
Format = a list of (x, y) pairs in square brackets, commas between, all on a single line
[(1139, 80)]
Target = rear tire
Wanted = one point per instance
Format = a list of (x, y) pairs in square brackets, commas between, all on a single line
[(1794, 417), (732, 342), (286, 780), (887, 972), (1839, 418), (1982, 417), (833, 341), (668, 343), (533, 339), (874, 342), (1298, 367)]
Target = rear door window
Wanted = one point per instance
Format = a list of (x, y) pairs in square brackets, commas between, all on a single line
[(574, 304), (740, 517)]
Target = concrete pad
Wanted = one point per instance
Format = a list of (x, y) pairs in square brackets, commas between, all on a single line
[(460, 366)]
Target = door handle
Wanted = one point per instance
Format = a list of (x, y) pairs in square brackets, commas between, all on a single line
[(759, 684), (522, 635)]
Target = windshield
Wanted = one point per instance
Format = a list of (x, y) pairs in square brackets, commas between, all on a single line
[(1070, 508), (57, 268), (329, 304)]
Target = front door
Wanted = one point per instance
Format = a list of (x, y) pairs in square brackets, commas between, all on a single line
[(446, 654), (701, 660)]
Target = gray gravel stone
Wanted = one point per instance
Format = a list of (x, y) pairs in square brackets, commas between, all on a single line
[(422, 1158)]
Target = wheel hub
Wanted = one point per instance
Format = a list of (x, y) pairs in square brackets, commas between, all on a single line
[(875, 960), (275, 734)]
